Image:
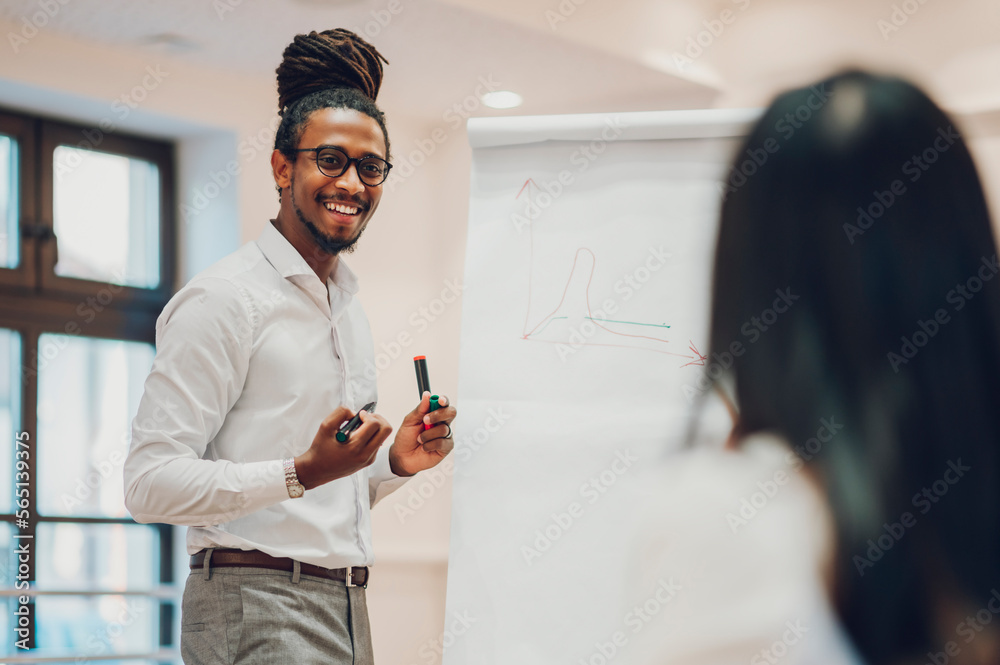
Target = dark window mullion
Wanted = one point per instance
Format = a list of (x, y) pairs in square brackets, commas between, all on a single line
[(57, 519), (33, 303), (29, 424), (167, 610)]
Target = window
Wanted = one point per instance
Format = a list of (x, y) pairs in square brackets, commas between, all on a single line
[(86, 265)]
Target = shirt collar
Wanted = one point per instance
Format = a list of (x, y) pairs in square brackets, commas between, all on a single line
[(289, 263)]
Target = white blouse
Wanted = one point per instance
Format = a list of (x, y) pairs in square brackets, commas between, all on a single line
[(744, 540)]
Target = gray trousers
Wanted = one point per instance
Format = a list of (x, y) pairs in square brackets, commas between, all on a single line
[(256, 616)]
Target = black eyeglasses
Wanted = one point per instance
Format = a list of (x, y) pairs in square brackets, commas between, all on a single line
[(334, 162)]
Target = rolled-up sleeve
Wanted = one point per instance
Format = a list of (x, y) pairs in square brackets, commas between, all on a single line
[(204, 339)]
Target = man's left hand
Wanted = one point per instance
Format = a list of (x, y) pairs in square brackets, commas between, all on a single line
[(415, 448)]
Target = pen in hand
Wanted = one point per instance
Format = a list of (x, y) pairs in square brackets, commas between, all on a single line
[(345, 430), (424, 384)]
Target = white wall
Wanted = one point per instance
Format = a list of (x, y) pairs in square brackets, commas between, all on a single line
[(984, 131)]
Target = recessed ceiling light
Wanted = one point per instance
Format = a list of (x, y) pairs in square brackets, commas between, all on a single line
[(502, 99), (168, 41)]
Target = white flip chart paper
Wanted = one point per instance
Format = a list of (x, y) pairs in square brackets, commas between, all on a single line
[(584, 336)]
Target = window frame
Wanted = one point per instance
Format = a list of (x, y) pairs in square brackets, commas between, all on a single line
[(34, 301), (54, 134), (37, 139), (23, 130)]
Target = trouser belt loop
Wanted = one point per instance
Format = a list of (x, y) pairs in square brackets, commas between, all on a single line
[(206, 568), (296, 571)]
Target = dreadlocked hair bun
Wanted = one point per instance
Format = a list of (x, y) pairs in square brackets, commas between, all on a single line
[(330, 59)]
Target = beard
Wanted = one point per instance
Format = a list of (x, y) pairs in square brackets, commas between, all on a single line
[(328, 243), (325, 241)]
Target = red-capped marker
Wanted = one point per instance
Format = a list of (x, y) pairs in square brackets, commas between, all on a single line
[(424, 383)]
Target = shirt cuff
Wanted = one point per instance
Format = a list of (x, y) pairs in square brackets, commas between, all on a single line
[(272, 485), (381, 480), (263, 485)]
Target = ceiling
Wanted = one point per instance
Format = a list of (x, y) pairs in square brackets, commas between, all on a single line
[(576, 55)]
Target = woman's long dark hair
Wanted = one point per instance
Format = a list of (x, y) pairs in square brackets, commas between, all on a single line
[(858, 198)]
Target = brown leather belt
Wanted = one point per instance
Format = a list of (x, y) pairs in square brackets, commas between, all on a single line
[(226, 558)]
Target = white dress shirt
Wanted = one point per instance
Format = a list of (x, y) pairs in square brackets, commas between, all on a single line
[(251, 355), (747, 539)]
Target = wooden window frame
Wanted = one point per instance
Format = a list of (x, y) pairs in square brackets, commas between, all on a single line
[(35, 301)]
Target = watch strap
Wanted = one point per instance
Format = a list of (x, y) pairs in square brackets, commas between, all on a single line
[(295, 488)]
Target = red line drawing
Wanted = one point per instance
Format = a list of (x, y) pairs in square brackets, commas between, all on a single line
[(701, 358), (696, 359), (531, 251)]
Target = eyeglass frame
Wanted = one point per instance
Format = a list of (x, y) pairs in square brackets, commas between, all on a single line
[(350, 161)]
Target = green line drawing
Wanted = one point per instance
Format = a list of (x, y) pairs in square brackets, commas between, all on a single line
[(631, 323)]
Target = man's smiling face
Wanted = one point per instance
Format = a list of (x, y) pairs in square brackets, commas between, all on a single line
[(335, 211)]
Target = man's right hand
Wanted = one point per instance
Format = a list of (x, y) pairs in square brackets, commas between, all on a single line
[(328, 459)]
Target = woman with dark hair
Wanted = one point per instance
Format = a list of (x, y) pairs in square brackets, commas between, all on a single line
[(876, 392)]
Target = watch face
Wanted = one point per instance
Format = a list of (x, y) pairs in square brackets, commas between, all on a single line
[(295, 491)]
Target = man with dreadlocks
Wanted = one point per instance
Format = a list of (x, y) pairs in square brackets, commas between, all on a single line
[(252, 356)]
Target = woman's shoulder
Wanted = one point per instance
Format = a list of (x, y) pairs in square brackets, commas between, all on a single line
[(746, 537)]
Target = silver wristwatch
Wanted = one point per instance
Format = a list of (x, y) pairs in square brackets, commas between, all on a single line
[(295, 488)]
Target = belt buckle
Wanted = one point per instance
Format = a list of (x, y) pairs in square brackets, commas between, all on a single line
[(349, 577)]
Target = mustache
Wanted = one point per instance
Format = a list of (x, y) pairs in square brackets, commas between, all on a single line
[(350, 200)]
